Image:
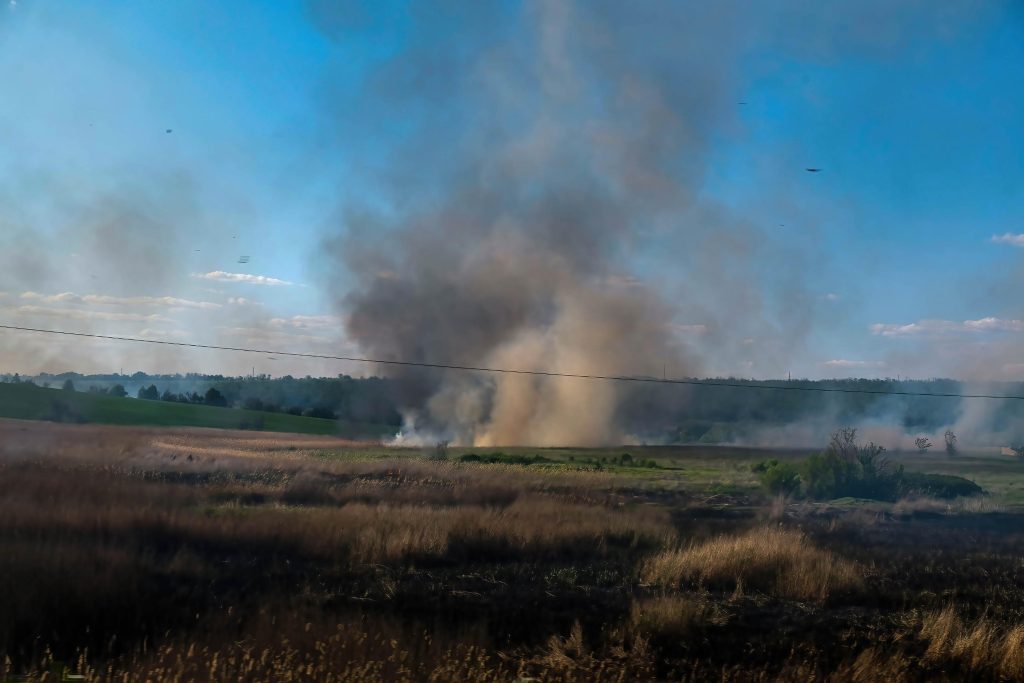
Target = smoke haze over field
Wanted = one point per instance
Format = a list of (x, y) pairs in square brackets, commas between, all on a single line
[(584, 187), (561, 140)]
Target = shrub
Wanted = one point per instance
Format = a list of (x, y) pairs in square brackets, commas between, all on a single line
[(778, 478), (440, 451), (950, 439), (320, 412), (939, 485), (252, 403), (504, 459), (848, 469), (62, 412), (215, 398)]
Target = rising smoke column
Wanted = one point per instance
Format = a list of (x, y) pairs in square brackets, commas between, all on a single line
[(544, 146), (521, 261)]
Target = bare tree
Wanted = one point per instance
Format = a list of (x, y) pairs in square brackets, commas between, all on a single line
[(923, 444), (844, 444), (950, 442)]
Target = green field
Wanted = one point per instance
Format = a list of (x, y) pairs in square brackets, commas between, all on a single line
[(30, 402)]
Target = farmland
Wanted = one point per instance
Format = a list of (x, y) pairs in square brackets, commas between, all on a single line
[(30, 402), (194, 554)]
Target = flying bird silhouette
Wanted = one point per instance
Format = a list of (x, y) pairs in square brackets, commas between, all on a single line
[(813, 170)]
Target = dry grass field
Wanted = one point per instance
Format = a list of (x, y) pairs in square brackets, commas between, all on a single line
[(200, 555)]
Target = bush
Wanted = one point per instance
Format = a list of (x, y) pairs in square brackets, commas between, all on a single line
[(215, 398), (252, 403), (939, 485), (440, 451), (62, 412), (846, 469), (778, 478), (320, 412), (504, 459)]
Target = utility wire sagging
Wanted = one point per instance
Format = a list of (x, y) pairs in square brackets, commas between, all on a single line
[(512, 371)]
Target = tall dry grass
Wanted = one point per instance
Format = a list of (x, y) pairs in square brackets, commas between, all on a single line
[(113, 536), (979, 645), (770, 559)]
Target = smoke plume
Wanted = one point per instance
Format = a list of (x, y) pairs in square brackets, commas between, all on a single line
[(544, 148)]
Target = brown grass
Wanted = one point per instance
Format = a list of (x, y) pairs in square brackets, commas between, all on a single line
[(771, 559), (978, 645), (675, 616), (192, 555)]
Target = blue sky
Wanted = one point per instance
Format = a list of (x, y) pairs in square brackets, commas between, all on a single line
[(278, 132)]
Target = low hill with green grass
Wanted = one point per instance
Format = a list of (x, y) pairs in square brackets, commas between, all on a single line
[(31, 402)]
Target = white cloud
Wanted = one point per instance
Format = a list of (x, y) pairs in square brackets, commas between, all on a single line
[(271, 336), (994, 324), (104, 300), (221, 276), (946, 327), (304, 322), (1009, 238), (845, 363), (78, 314), (162, 334), (242, 301)]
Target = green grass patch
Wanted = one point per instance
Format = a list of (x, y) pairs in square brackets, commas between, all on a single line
[(30, 402)]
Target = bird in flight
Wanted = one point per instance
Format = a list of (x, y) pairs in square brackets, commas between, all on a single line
[(813, 170), (168, 130)]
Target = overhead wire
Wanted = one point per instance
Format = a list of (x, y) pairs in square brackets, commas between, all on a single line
[(519, 371)]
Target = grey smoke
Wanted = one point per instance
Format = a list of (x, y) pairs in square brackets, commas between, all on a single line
[(546, 148)]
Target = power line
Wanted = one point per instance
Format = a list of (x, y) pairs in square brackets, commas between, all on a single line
[(512, 371)]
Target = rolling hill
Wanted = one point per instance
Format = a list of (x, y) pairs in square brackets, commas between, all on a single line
[(31, 402)]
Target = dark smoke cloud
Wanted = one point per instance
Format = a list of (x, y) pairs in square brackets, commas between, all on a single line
[(544, 149)]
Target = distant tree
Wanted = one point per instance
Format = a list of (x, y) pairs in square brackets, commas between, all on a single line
[(950, 442), (68, 385), (922, 444), (1018, 451), (117, 390), (253, 403), (215, 398), (440, 451), (149, 393), (168, 396), (320, 412)]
